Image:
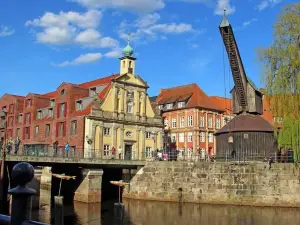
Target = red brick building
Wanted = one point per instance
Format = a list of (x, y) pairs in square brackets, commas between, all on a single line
[(41, 119), (191, 117)]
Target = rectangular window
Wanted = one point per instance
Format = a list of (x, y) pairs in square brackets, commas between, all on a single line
[(11, 109), (190, 121), (47, 130), (79, 105), (20, 118), (210, 122), (210, 138), (61, 129), (106, 131), (181, 137), (181, 124), (202, 137), (202, 123), (51, 114), (148, 135), (190, 137), (27, 133), (166, 121), (18, 132), (36, 131), (148, 152), (174, 123), (181, 104), (93, 91), (169, 106), (27, 118), (173, 138), (39, 114), (73, 127), (106, 149), (62, 110), (52, 102), (218, 123)]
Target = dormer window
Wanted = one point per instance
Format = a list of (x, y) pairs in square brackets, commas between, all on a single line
[(169, 105), (160, 107), (63, 92), (29, 102), (50, 113), (93, 91), (181, 104), (79, 105)]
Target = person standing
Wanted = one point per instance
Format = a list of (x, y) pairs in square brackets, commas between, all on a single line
[(17, 145), (67, 147), (113, 152), (119, 152)]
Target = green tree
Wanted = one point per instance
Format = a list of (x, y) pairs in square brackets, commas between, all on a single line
[(281, 76)]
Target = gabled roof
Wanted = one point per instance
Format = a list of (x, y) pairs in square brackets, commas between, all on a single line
[(224, 103), (192, 93)]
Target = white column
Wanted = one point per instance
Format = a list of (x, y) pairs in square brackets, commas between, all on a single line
[(122, 97), (143, 145)]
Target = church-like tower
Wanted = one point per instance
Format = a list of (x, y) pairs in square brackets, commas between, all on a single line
[(127, 62)]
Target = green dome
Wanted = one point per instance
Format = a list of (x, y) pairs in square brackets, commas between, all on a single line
[(128, 50)]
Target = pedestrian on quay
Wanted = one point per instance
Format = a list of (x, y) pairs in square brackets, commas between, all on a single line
[(55, 147), (17, 145), (113, 152), (119, 152), (67, 148)]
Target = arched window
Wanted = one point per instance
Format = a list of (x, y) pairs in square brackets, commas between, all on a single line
[(123, 64), (129, 64), (129, 107)]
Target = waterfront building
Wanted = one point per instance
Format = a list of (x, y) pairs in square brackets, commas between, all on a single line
[(191, 117), (96, 117)]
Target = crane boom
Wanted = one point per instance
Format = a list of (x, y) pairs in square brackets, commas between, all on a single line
[(235, 61)]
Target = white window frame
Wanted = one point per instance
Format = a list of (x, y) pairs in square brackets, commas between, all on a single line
[(174, 123), (79, 105), (148, 135), (160, 107), (181, 122), (181, 104), (169, 106), (210, 138), (190, 121), (51, 112), (210, 122), (202, 121), (190, 137), (181, 137), (202, 137), (106, 131), (106, 150), (218, 123), (148, 152), (166, 122)]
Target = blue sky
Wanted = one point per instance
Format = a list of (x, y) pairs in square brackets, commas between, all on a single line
[(176, 42)]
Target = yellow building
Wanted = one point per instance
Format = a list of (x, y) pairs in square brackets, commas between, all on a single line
[(121, 116)]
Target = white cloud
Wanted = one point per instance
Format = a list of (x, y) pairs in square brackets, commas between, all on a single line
[(140, 6), (171, 28), (6, 31), (82, 59), (115, 53), (224, 4), (72, 28), (246, 24), (267, 3), (148, 20)]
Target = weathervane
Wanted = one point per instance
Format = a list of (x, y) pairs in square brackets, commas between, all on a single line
[(129, 37), (224, 11)]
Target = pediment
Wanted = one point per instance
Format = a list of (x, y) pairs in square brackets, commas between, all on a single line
[(132, 79)]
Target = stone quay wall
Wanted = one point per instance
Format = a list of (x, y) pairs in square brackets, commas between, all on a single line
[(46, 178), (217, 183)]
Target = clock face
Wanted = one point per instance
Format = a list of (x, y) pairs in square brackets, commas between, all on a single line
[(128, 134)]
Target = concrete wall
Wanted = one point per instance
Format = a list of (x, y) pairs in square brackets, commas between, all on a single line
[(219, 183)]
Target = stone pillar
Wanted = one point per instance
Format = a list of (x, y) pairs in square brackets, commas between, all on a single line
[(137, 102), (35, 184), (155, 141), (122, 100), (89, 191), (114, 136), (101, 141), (122, 141), (144, 106), (137, 147), (143, 145), (115, 99)]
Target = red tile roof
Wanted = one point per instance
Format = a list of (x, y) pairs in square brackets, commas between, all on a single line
[(101, 81), (194, 95), (224, 103)]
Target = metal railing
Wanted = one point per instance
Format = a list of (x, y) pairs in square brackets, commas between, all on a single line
[(149, 155)]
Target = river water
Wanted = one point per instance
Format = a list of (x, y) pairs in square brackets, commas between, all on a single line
[(162, 213)]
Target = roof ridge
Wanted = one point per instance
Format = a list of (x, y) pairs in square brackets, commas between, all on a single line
[(184, 85)]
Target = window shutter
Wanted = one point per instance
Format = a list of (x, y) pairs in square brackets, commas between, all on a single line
[(65, 130), (57, 127), (65, 109)]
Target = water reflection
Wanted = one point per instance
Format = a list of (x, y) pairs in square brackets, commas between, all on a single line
[(160, 213)]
